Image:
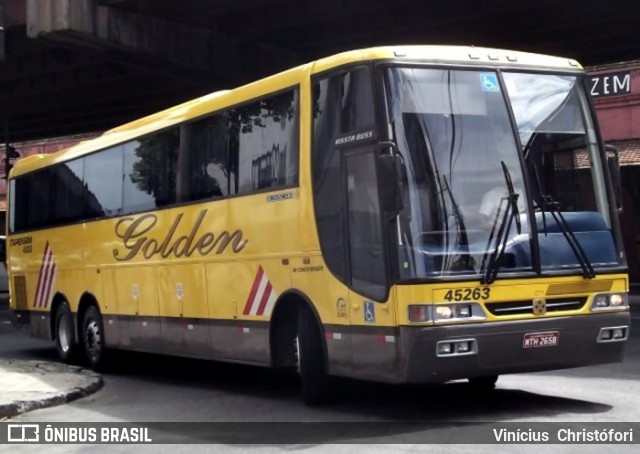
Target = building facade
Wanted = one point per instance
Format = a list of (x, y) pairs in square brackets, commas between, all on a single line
[(615, 90)]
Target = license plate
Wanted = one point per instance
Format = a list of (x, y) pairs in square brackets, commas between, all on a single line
[(537, 340)]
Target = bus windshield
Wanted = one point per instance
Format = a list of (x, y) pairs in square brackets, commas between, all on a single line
[(465, 196)]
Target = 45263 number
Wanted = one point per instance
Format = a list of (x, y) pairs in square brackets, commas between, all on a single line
[(468, 294)]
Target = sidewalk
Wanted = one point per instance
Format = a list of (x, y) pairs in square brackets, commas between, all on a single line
[(28, 385)]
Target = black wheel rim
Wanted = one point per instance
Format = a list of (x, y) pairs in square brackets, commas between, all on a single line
[(93, 340)]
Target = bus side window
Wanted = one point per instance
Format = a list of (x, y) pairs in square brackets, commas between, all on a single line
[(203, 162), (263, 143), (103, 179)]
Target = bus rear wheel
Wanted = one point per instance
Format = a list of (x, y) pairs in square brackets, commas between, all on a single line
[(93, 338), (310, 360), (64, 335)]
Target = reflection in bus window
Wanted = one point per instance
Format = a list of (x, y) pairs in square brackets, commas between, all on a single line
[(263, 143), (154, 172)]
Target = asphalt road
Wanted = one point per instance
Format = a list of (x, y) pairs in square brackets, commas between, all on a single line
[(141, 387)]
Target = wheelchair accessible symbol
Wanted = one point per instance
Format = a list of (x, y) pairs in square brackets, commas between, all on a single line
[(489, 82), (369, 312)]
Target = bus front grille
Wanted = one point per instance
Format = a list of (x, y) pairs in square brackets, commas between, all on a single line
[(526, 306)]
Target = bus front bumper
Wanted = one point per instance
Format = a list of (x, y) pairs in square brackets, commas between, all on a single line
[(499, 347)]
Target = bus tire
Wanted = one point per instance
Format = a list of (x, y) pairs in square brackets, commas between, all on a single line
[(310, 360), (64, 334), (93, 338), (484, 384)]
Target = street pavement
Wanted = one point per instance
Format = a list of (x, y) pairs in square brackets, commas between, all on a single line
[(30, 384)]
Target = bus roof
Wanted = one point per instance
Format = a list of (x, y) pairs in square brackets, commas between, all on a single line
[(462, 55)]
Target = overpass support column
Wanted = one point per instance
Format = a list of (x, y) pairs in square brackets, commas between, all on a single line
[(180, 50), (50, 16)]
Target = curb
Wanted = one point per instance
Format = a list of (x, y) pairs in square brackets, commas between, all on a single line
[(22, 406)]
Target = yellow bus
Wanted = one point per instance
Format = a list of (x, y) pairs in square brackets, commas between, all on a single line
[(398, 214)]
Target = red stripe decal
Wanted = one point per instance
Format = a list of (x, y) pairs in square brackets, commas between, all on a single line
[(44, 256), (254, 290), (51, 269), (265, 298)]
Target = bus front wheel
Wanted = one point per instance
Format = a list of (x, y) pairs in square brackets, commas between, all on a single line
[(93, 338), (484, 383), (310, 359), (65, 343)]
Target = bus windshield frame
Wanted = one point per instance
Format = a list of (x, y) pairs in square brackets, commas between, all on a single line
[(438, 114)]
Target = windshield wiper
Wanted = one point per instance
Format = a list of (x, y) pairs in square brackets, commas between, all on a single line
[(587, 269), (457, 214), (467, 261), (491, 263)]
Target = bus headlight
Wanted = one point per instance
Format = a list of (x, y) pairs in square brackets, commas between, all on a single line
[(463, 310), (419, 313), (606, 301), (458, 312), (616, 300), (443, 313)]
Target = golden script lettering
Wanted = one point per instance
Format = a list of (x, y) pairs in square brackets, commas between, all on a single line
[(133, 233)]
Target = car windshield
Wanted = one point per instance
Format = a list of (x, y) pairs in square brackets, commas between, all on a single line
[(453, 129)]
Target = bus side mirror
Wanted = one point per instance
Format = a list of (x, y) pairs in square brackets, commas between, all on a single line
[(613, 165), (392, 175)]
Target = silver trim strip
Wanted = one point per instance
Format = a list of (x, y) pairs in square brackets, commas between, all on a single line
[(530, 306)]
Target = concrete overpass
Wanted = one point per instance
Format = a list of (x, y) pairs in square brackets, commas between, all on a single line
[(72, 66)]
